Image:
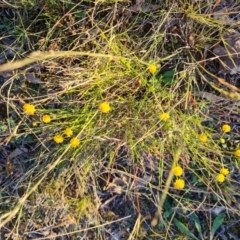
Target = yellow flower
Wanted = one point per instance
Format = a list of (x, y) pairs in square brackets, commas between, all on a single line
[(74, 142), (226, 128), (152, 68), (164, 116), (237, 153), (68, 132), (202, 137), (29, 109), (224, 171), (179, 184), (58, 138), (104, 107), (220, 178), (177, 171), (46, 118)]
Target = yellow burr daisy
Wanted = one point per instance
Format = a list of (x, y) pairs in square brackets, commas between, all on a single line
[(46, 118), (74, 142), (58, 138), (224, 171), (177, 171), (220, 178), (202, 137), (164, 117), (104, 107), (152, 68), (68, 132), (226, 128), (179, 184), (29, 109)]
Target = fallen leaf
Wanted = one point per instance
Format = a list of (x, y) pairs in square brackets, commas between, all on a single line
[(30, 77), (191, 39), (17, 152), (136, 83), (229, 53)]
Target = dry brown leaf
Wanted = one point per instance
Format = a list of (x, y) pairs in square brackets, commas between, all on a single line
[(119, 182), (191, 39), (30, 77), (141, 6), (151, 8), (17, 152), (136, 83), (223, 17), (229, 54), (140, 2), (156, 218)]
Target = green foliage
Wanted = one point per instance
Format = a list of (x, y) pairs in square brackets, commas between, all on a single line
[(182, 227), (168, 77), (3, 127), (216, 224), (197, 224)]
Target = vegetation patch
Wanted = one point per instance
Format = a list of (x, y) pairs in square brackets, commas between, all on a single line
[(119, 119)]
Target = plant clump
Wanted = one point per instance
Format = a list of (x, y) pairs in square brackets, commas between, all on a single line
[(122, 91)]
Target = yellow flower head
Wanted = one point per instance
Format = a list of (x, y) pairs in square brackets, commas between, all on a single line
[(179, 184), (220, 178), (46, 118), (152, 68), (237, 153), (29, 109), (177, 171), (58, 138), (74, 142), (224, 171), (226, 128), (164, 116), (68, 132), (202, 137), (104, 107)]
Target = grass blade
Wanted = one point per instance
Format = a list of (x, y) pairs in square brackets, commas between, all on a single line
[(184, 229)]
